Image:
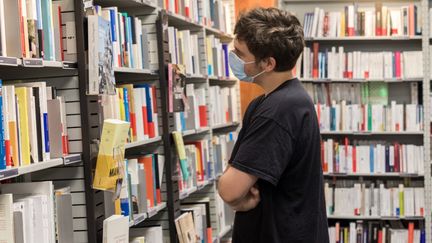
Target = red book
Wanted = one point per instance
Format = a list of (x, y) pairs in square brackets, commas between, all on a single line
[(151, 128), (378, 19), (396, 158), (61, 33), (398, 64), (354, 155), (323, 158), (176, 6), (147, 161), (144, 114), (8, 154), (187, 12), (326, 24), (380, 236), (203, 115), (209, 234), (133, 124), (346, 147), (411, 21), (65, 143), (319, 114), (200, 163), (411, 232), (23, 40), (315, 60)]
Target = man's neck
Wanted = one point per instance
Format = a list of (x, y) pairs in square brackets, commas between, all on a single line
[(274, 80)]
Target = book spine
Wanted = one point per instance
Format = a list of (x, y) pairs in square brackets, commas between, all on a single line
[(3, 163)]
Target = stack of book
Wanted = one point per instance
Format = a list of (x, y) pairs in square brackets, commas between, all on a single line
[(130, 40), (31, 213), (217, 57), (146, 234), (34, 125), (223, 105), (141, 187), (335, 63), (197, 167), (370, 118), (369, 157), (195, 115), (375, 232), (374, 201), (184, 50), (354, 20), (223, 145), (135, 104), (38, 29)]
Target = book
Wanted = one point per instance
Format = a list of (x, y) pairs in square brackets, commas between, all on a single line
[(111, 152), (23, 108), (116, 229), (7, 216), (186, 228), (64, 215), (101, 68), (151, 234)]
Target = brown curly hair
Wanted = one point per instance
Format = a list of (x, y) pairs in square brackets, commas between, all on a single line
[(272, 32)]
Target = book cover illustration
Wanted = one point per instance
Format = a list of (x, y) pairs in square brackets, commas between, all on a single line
[(178, 83), (105, 59)]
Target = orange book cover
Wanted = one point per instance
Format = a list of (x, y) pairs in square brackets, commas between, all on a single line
[(411, 21), (411, 232), (148, 168)]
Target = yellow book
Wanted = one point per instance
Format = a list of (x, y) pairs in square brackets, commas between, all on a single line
[(111, 154), (24, 136), (401, 200), (178, 140), (121, 103), (342, 30)]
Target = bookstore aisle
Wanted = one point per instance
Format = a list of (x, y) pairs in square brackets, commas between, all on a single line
[(118, 118), (366, 66)]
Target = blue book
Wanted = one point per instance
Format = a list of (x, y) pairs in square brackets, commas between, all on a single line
[(113, 19), (225, 51), (126, 104), (2, 145), (387, 159), (48, 32), (130, 41), (149, 103), (422, 236), (371, 159)]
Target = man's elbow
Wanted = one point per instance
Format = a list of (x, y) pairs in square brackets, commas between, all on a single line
[(227, 195)]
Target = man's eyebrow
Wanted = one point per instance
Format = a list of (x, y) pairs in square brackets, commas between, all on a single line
[(238, 51)]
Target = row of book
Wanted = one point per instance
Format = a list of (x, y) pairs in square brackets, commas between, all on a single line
[(354, 20), (136, 104), (197, 167), (360, 93), (141, 185), (335, 63), (379, 201), (224, 106), (35, 212), (38, 29), (375, 232), (371, 157), (116, 229), (211, 13), (184, 49), (217, 57), (195, 115), (33, 124), (130, 38), (223, 145), (370, 118)]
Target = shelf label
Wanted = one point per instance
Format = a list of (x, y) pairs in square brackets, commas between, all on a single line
[(12, 61), (70, 65), (71, 159), (32, 62), (8, 173)]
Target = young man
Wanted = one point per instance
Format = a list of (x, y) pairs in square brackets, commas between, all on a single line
[(274, 179)]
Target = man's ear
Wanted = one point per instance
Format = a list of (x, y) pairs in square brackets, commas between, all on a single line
[(269, 64)]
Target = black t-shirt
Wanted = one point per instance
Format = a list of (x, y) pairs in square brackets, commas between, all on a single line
[(280, 144)]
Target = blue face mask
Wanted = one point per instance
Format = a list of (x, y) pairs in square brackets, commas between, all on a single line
[(237, 67)]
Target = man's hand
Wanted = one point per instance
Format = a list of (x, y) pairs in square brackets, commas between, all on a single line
[(250, 201)]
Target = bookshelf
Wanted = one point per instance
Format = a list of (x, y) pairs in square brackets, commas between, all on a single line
[(376, 43)]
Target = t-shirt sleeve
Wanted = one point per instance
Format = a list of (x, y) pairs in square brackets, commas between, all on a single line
[(264, 151)]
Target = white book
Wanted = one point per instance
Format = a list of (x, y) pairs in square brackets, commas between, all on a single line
[(396, 23), (351, 17), (6, 218), (29, 227), (116, 229), (315, 22), (139, 115), (419, 201), (36, 188), (409, 209), (2, 30), (32, 128)]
